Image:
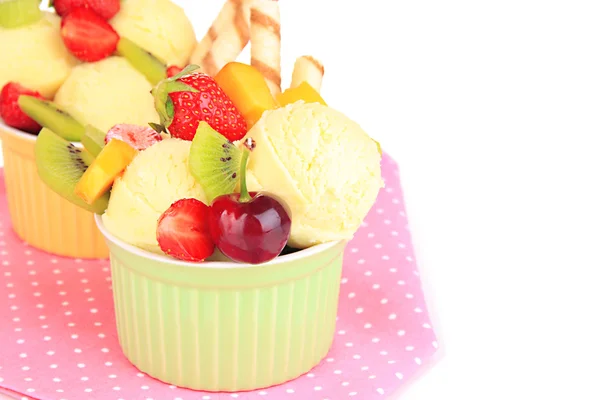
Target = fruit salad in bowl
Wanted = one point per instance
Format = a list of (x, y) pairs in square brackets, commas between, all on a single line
[(77, 68)]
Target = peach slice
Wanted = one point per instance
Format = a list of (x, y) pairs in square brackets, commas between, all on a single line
[(102, 172), (303, 92), (248, 90)]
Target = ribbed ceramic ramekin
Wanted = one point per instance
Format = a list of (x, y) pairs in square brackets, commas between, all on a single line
[(221, 326), (39, 216)]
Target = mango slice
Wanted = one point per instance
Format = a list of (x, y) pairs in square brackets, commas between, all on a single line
[(102, 172), (301, 92), (248, 90)]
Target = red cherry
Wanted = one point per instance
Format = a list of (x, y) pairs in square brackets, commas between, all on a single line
[(249, 227), (253, 231)]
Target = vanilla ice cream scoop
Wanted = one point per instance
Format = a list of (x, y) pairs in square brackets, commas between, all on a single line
[(322, 164), (155, 179), (106, 93), (35, 56), (158, 26)]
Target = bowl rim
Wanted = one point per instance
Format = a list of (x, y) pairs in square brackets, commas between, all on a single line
[(164, 259), (17, 132)]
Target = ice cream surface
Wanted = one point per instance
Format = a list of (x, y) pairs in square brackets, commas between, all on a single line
[(159, 26), (35, 56), (106, 93), (156, 178), (322, 164)]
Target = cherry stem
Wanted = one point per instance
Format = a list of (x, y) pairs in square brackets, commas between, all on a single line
[(244, 195)]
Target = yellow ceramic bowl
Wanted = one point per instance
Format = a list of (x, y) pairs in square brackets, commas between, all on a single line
[(39, 216)]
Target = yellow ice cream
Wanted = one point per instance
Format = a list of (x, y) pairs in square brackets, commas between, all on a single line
[(158, 26), (35, 56), (155, 179), (322, 164), (106, 93)]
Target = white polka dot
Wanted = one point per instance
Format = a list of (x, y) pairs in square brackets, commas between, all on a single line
[(289, 390), (345, 383), (351, 295), (112, 376), (62, 293), (409, 258), (74, 336), (104, 350), (418, 360), (352, 393), (81, 365), (341, 332), (47, 338), (16, 319), (9, 285), (30, 390), (410, 348), (12, 296), (101, 335), (426, 326), (337, 372), (401, 333), (393, 270), (354, 250), (88, 290), (380, 391), (93, 310), (50, 353), (59, 282), (375, 340), (359, 310), (71, 324), (32, 272), (399, 375), (84, 281), (372, 376), (344, 280), (318, 388), (356, 356), (44, 326), (53, 366), (90, 299), (140, 375), (418, 310), (18, 329), (116, 388), (37, 294), (364, 368), (379, 211), (378, 245), (56, 379), (384, 301), (409, 295), (262, 393), (368, 273), (391, 362), (39, 305), (434, 344), (401, 283), (368, 326), (23, 355), (402, 245), (330, 359), (42, 317), (385, 257), (311, 375), (376, 286), (77, 350), (54, 261), (56, 271), (383, 353), (26, 379), (370, 235), (21, 341), (25, 368), (145, 387), (7, 273), (87, 390), (108, 363), (392, 316)]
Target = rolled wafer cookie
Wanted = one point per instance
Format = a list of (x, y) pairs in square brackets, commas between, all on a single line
[(265, 41), (309, 69), (230, 41), (223, 20)]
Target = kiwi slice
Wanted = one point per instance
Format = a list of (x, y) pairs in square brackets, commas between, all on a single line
[(93, 140), (60, 165), (17, 13), (47, 114), (214, 162), (149, 65)]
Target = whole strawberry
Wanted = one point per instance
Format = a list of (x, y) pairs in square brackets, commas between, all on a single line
[(104, 8), (10, 111), (189, 97)]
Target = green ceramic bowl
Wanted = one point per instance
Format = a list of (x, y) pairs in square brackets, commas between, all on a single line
[(223, 326)]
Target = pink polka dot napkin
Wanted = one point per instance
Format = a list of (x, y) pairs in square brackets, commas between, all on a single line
[(59, 340)]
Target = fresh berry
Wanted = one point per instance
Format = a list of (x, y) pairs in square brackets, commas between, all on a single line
[(138, 137), (173, 70), (10, 111), (183, 231), (89, 37), (190, 97), (104, 8), (249, 227)]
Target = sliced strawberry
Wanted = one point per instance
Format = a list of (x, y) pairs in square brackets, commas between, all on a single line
[(138, 137), (10, 111), (173, 70), (89, 37), (187, 98), (183, 231), (104, 8)]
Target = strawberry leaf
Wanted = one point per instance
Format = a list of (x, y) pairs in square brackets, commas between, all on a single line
[(163, 103)]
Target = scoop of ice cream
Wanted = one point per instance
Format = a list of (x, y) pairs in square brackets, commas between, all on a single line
[(158, 26), (155, 179), (35, 56), (106, 93), (322, 164)]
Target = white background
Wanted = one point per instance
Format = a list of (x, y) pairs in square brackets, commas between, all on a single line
[(492, 110)]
